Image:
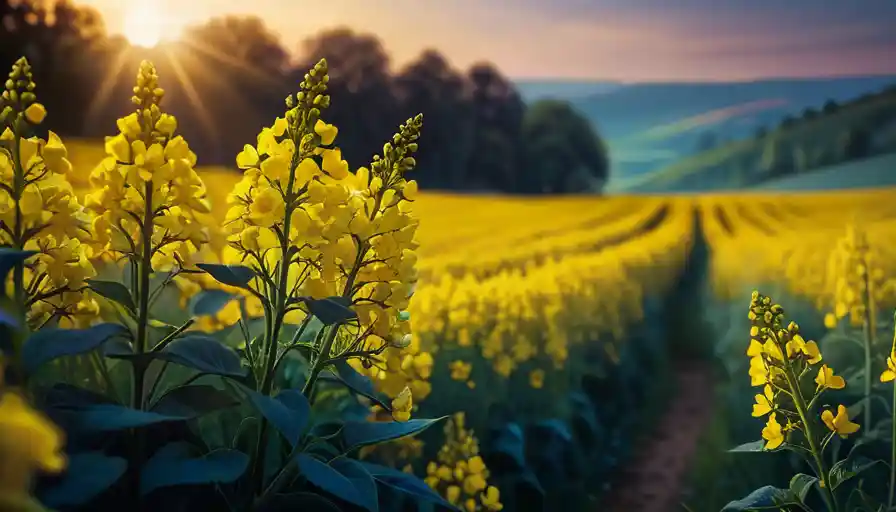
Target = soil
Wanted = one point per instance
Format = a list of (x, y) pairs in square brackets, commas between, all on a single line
[(652, 480)]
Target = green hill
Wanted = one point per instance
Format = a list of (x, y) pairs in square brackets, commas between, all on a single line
[(836, 134)]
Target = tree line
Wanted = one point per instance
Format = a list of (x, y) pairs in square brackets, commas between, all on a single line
[(228, 77)]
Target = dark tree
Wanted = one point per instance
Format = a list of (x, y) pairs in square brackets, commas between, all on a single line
[(429, 85), (561, 151), (855, 143), (830, 107), (498, 113)]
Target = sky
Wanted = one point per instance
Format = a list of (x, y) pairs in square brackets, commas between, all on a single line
[(613, 40)]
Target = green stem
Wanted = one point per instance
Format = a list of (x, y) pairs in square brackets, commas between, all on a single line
[(893, 454), (18, 242), (803, 412), (868, 327)]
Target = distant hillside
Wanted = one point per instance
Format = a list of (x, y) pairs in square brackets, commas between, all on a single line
[(826, 136), (557, 89), (877, 171), (651, 125)]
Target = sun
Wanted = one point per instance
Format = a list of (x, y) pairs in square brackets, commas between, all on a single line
[(144, 24)]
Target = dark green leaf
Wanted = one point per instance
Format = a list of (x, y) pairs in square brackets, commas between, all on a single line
[(289, 412), (209, 302), (801, 484), (849, 468), (323, 476), (332, 310), (46, 345), (768, 498), (231, 275), (203, 353), (753, 446), (406, 483), (9, 258), (86, 476), (358, 383), (113, 291), (193, 401), (363, 481), (363, 433), (173, 465), (111, 417)]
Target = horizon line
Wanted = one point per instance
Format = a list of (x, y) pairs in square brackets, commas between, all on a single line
[(780, 78)]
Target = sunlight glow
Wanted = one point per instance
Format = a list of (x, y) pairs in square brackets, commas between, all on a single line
[(143, 24)]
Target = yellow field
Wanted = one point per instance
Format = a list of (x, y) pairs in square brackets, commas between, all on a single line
[(525, 279)]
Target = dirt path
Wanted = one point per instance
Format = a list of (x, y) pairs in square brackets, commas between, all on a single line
[(652, 480)]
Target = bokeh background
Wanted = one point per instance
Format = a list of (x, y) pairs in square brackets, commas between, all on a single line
[(603, 184)]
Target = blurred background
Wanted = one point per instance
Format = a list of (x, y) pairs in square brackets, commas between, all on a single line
[(604, 182)]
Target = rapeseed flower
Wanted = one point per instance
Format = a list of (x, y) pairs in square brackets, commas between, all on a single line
[(839, 424)]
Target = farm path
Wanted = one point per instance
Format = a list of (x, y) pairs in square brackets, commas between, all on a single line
[(652, 480)]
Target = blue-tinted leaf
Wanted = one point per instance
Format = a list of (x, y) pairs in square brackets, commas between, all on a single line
[(331, 310), (363, 481), (209, 302), (767, 496), (46, 345), (193, 401), (848, 468), (753, 446), (86, 476), (9, 258), (231, 275), (111, 417), (328, 479), (363, 433), (113, 291), (358, 383), (288, 412), (406, 483), (203, 353), (801, 484), (173, 465)]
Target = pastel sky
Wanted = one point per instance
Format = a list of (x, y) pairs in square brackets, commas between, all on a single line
[(625, 40)]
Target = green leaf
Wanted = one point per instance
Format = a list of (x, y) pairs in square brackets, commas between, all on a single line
[(193, 401), (332, 310), (86, 477), (46, 345), (231, 275), (358, 383), (323, 476), (406, 483), (209, 302), (9, 258), (289, 412), (801, 484), (112, 417), (173, 465), (846, 469), (361, 479), (764, 498), (203, 353), (113, 291), (364, 433), (753, 446)]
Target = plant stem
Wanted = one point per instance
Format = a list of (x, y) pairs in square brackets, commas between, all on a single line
[(868, 328), (803, 412), (893, 454), (18, 242)]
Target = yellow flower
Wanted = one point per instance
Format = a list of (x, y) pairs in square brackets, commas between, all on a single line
[(840, 423), (827, 379), (326, 131), (772, 433), (890, 373), (35, 113), (830, 321), (765, 402), (460, 370), (491, 499), (402, 404), (758, 372), (536, 378), (28, 441)]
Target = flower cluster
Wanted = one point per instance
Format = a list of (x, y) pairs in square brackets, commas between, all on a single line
[(779, 360), (857, 282), (147, 195), (459, 473), (39, 211), (312, 229)]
